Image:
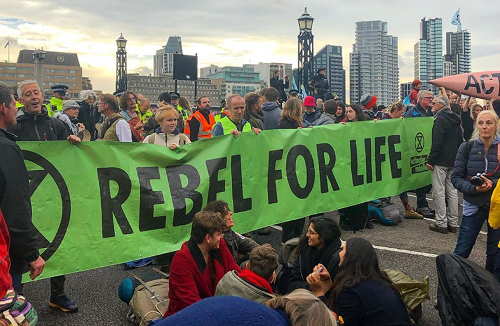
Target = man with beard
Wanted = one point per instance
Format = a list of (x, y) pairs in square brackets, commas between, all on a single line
[(253, 110), (199, 124), (280, 84)]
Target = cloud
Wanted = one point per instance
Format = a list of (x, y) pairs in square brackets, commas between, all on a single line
[(223, 33)]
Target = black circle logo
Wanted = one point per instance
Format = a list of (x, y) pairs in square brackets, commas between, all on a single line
[(419, 142), (36, 177)]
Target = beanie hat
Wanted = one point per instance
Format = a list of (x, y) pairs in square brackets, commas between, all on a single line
[(309, 101), (367, 101), (416, 82), (70, 104)]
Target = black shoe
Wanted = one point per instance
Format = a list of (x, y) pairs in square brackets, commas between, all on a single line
[(452, 229), (369, 225), (426, 212), (64, 303)]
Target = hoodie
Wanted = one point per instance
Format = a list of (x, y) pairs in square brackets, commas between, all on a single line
[(447, 136), (272, 114)]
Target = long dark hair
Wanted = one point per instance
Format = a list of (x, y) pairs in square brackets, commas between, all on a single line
[(326, 227), (360, 264), (359, 112)]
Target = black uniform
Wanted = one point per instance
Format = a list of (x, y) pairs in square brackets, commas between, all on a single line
[(320, 86), (280, 85), (15, 204), (39, 127)]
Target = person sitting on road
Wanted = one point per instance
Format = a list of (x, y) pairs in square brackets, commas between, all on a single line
[(361, 293), (254, 281), (321, 244), (303, 309), (238, 245), (167, 134), (200, 264)]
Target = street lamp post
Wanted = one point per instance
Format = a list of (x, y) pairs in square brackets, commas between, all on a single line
[(305, 50), (38, 57), (121, 64)]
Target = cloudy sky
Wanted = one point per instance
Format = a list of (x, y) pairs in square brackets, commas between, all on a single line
[(226, 32)]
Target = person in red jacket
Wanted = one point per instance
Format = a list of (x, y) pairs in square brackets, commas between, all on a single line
[(416, 85), (5, 278), (200, 264)]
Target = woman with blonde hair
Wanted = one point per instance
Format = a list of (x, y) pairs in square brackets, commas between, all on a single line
[(302, 308), (291, 116), (167, 134)]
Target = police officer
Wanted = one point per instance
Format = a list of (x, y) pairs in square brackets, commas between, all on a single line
[(59, 94), (174, 98), (293, 93)]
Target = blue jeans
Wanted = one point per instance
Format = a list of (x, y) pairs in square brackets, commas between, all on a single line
[(469, 229)]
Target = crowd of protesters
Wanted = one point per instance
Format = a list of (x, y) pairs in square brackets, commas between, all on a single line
[(330, 280)]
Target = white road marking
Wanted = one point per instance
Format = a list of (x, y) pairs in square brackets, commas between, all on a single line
[(416, 253), (410, 195), (277, 227)]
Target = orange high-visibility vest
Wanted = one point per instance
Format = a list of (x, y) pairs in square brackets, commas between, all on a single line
[(205, 127)]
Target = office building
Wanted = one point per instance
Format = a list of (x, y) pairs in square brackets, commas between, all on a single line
[(330, 58), (58, 68), (405, 90), (234, 80), (164, 58), (428, 53), (152, 86), (458, 51), (374, 63)]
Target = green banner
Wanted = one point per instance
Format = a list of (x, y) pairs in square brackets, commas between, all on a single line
[(102, 203)]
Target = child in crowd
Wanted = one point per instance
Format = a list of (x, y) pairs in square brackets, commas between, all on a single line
[(167, 134)]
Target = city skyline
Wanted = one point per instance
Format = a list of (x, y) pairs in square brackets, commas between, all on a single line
[(272, 38)]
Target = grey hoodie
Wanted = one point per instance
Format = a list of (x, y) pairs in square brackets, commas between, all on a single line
[(272, 114)]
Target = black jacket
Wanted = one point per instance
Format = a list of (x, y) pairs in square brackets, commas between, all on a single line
[(288, 124), (320, 85), (371, 303), (89, 116), (15, 204), (309, 257), (447, 136), (469, 162), (280, 85), (39, 127), (418, 111)]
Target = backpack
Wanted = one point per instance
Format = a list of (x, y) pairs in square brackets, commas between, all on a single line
[(290, 252), (384, 212), (150, 299)]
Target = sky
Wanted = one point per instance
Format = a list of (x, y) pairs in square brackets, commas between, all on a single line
[(225, 32)]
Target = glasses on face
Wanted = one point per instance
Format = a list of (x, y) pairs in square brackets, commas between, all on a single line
[(311, 232)]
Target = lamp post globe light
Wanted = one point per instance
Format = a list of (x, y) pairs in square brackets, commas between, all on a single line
[(38, 57), (121, 64), (305, 50)]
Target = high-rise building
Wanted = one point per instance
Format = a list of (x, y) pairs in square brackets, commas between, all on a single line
[(164, 58), (235, 80), (448, 68), (330, 58), (405, 89), (458, 51), (428, 52), (374, 63)]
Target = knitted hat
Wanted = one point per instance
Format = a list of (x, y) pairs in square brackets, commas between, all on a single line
[(70, 104), (309, 101), (367, 101)]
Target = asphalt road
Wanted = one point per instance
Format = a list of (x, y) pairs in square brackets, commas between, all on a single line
[(405, 247)]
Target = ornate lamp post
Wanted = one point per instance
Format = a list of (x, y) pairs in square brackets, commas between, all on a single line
[(121, 64), (305, 50), (38, 57)]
